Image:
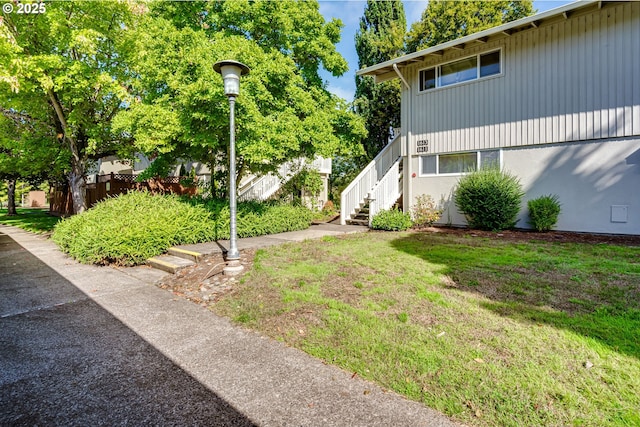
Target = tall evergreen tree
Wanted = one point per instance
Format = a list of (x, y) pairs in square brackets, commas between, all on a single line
[(445, 20), (380, 38)]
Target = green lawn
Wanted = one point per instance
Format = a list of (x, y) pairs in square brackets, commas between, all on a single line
[(488, 331), (34, 220)]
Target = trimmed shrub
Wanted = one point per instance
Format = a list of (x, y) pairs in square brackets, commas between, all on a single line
[(128, 229), (489, 198), (391, 220), (544, 212), (133, 227), (256, 218), (425, 211)]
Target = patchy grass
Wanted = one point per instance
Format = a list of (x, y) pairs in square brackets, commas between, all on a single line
[(34, 220), (488, 331)]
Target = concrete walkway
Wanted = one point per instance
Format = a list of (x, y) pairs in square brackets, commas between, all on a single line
[(316, 231), (86, 345)]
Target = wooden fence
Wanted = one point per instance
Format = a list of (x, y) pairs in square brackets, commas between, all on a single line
[(114, 184)]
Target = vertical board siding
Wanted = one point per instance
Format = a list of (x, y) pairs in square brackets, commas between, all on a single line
[(569, 80), (635, 58)]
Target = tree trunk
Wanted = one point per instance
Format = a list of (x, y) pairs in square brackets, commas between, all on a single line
[(78, 160), (77, 186), (11, 193)]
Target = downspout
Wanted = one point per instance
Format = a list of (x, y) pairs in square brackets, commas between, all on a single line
[(407, 168)]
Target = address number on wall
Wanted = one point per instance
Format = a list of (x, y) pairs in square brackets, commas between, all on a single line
[(422, 146)]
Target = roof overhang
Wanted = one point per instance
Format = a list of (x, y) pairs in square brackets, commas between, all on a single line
[(387, 70)]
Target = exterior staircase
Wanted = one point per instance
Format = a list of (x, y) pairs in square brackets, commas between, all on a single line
[(175, 260), (360, 217), (265, 186), (377, 187)]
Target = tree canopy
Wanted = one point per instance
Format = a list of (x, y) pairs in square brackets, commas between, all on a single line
[(26, 149), (116, 77), (74, 60), (283, 111), (445, 20), (379, 38)]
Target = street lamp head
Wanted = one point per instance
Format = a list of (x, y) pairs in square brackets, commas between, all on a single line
[(231, 72)]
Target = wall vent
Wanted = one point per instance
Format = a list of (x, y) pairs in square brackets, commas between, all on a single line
[(619, 213)]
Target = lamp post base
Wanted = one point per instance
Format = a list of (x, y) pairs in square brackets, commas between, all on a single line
[(233, 267)]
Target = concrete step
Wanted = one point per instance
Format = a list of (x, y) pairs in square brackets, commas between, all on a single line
[(186, 254), (355, 221), (169, 263)]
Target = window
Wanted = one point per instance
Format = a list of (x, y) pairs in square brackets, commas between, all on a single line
[(427, 79), (463, 70), (458, 163), (459, 71), (490, 64)]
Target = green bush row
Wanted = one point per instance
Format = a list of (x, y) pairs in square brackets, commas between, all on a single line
[(490, 200), (131, 228), (128, 229), (256, 218)]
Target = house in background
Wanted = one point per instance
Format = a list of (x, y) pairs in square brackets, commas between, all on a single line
[(552, 98), (252, 187)]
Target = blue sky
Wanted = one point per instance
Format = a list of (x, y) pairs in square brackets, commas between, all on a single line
[(350, 12)]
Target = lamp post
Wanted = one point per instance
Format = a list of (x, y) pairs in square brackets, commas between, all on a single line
[(231, 72)]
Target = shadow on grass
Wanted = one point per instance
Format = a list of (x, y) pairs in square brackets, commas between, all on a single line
[(590, 290), (34, 220)]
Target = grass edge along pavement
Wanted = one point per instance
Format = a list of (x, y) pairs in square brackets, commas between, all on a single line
[(490, 332), (35, 220)]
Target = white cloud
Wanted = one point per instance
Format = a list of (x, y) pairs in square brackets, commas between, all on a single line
[(345, 93)]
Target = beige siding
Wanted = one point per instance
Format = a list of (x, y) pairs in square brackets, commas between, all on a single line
[(569, 80), (588, 177)]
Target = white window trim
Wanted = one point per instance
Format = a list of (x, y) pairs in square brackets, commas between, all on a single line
[(437, 156), (478, 78)]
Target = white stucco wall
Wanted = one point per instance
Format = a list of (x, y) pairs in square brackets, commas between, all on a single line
[(588, 177)]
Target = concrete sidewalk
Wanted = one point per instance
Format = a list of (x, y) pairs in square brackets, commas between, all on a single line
[(315, 231), (87, 345)]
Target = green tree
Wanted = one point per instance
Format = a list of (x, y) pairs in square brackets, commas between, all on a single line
[(295, 28), (283, 111), (445, 20), (379, 38), (73, 58), (26, 152)]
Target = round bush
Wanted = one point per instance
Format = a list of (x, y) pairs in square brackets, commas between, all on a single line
[(489, 198), (128, 229), (544, 212), (391, 220)]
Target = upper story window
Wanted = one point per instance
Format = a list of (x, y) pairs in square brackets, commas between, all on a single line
[(463, 70)]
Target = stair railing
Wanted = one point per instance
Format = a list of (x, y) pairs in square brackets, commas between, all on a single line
[(261, 188), (358, 190), (386, 191), (265, 186)]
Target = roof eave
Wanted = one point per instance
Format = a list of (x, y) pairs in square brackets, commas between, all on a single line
[(384, 71)]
